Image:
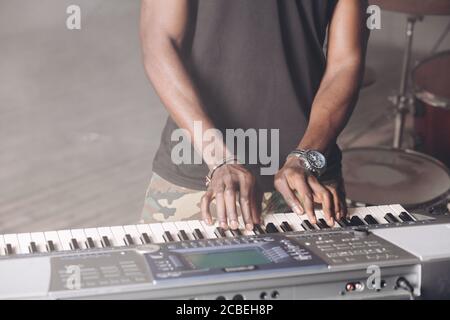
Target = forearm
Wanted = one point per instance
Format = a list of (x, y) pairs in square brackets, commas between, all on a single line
[(176, 89), (332, 107)]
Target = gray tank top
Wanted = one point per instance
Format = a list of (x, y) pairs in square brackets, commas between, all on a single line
[(257, 64)]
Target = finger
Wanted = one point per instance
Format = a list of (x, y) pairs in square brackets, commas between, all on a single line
[(230, 204), (306, 195), (336, 202), (205, 203), (255, 204), (283, 188), (245, 194), (325, 197), (221, 211)]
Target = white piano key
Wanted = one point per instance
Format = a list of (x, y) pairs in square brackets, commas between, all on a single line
[(269, 218), (39, 239), (378, 214), (295, 221), (183, 225), (134, 233), (209, 230), (65, 237), (106, 232), (119, 235), (80, 236), (13, 241), (2, 246), (24, 242), (172, 228), (144, 228), (244, 231), (157, 232), (93, 234), (54, 237)]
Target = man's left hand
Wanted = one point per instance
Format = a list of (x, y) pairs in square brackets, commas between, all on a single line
[(301, 190)]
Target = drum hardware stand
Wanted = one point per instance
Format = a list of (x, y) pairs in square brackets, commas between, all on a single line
[(402, 101)]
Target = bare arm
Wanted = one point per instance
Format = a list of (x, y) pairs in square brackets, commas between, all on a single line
[(340, 85), (164, 24), (331, 110)]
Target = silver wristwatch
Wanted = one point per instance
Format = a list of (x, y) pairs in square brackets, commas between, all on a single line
[(312, 160)]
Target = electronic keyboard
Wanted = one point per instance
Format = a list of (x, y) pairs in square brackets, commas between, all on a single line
[(286, 257)]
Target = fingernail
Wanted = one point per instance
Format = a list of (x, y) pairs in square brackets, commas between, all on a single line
[(223, 225), (234, 224), (208, 221), (331, 222), (249, 227), (297, 210)]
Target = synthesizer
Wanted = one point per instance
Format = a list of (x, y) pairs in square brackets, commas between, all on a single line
[(380, 252)]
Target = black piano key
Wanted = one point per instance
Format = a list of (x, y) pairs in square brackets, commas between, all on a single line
[(90, 243), (167, 236), (286, 227), (32, 248), (220, 232), (236, 233), (389, 217), (257, 229), (307, 225), (145, 238), (105, 242), (405, 217), (322, 224), (198, 235), (370, 220), (50, 246), (344, 223), (182, 235), (9, 249), (355, 221), (271, 228), (128, 240), (74, 244)]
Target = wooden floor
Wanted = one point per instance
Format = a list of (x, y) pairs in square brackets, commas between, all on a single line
[(79, 123)]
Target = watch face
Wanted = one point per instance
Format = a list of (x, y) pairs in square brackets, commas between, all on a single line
[(316, 159)]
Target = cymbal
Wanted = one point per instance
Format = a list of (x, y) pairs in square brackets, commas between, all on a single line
[(415, 7)]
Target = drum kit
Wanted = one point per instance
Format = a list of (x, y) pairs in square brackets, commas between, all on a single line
[(418, 181)]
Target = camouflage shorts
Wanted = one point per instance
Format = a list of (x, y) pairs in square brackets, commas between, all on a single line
[(167, 202)]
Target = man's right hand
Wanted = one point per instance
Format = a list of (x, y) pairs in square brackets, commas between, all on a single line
[(230, 184)]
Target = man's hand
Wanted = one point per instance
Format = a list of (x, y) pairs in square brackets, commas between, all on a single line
[(232, 183), (300, 190)]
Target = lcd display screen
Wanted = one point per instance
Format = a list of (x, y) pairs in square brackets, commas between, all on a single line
[(226, 259)]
